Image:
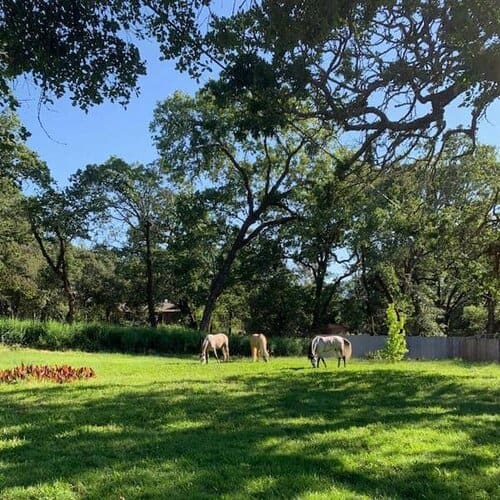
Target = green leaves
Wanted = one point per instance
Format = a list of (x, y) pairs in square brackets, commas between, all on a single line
[(77, 48), (395, 347)]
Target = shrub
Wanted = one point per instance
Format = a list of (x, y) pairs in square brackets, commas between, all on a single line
[(475, 319), (59, 374), (168, 339), (12, 332), (286, 346), (377, 355), (54, 335), (239, 345), (395, 347)]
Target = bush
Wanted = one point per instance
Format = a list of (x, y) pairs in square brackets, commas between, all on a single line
[(54, 335), (395, 347), (92, 337), (377, 355), (475, 319), (239, 345), (285, 346)]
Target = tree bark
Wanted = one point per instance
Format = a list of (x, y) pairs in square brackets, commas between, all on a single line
[(217, 287), (187, 310), (219, 280), (368, 305), (64, 275), (60, 269), (490, 305), (319, 282), (149, 276)]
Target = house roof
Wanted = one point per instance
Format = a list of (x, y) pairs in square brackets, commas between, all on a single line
[(167, 307)]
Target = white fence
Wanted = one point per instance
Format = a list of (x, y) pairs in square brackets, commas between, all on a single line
[(468, 348)]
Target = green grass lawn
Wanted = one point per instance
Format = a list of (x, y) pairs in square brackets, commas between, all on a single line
[(158, 427)]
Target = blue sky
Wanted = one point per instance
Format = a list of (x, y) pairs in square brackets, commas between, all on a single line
[(78, 138)]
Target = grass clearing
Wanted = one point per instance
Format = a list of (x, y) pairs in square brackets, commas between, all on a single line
[(158, 427)]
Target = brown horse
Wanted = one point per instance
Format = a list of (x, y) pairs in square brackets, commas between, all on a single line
[(258, 346), (214, 342)]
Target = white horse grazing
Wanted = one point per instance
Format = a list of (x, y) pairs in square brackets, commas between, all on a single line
[(214, 342), (258, 346), (329, 346)]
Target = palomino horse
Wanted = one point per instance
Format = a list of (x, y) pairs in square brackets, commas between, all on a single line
[(329, 346), (258, 346), (214, 342)]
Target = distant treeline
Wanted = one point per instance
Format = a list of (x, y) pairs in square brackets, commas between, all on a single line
[(280, 242)]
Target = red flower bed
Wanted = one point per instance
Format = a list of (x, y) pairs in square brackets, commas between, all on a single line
[(60, 374)]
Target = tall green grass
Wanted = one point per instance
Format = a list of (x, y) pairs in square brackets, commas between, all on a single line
[(93, 337)]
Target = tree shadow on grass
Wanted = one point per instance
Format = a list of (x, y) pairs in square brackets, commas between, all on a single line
[(268, 435)]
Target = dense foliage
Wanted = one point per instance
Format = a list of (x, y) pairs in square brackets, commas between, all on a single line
[(345, 246), (95, 337), (395, 347), (316, 178)]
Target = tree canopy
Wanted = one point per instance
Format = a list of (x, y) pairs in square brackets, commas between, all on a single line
[(320, 175), (382, 72)]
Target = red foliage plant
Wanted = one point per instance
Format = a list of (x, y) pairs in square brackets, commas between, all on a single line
[(59, 374)]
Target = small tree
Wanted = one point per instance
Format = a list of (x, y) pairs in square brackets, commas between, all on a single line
[(395, 348)]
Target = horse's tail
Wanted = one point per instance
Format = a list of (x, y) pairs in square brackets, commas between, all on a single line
[(204, 345), (347, 349)]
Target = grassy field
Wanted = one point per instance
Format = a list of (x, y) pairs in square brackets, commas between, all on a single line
[(158, 427)]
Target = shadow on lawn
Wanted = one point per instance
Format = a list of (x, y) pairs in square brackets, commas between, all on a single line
[(249, 436)]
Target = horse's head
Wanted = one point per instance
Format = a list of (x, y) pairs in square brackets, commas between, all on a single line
[(314, 361), (203, 358), (312, 357)]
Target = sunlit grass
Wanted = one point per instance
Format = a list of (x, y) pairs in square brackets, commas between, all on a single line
[(162, 427)]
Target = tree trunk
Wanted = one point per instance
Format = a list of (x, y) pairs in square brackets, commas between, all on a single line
[(319, 283), (59, 268), (217, 287), (229, 328), (219, 280), (490, 305), (188, 311), (70, 297), (68, 289), (149, 276), (368, 305)]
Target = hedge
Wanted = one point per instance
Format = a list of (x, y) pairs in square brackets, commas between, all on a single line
[(93, 337)]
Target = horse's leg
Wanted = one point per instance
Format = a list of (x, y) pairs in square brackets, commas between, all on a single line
[(344, 360), (322, 359), (215, 354), (338, 364)]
